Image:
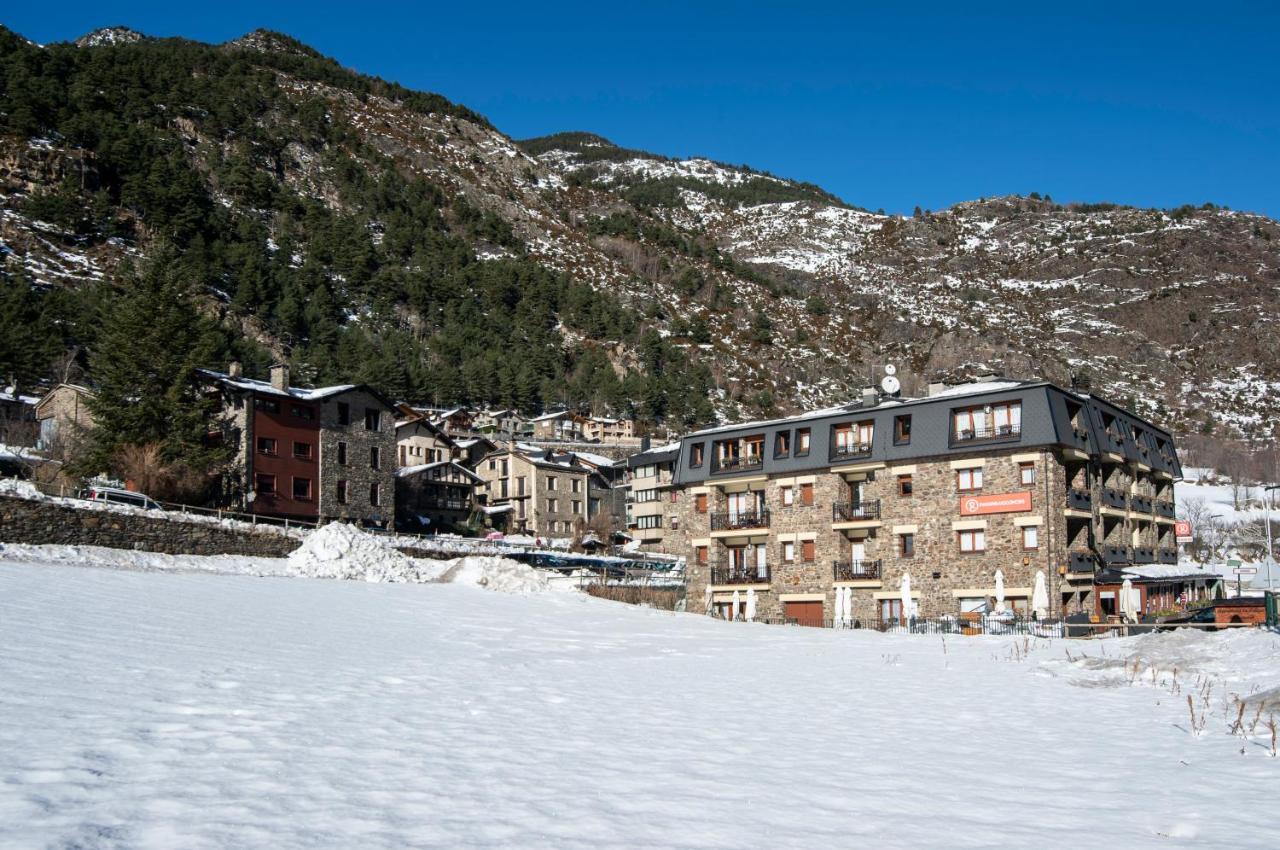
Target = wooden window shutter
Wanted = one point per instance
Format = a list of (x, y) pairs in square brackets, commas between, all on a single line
[(806, 494), (701, 503), (808, 550)]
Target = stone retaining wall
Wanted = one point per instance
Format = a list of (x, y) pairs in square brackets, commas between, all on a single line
[(31, 521)]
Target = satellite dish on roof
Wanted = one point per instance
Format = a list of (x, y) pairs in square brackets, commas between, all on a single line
[(890, 385), (890, 369)]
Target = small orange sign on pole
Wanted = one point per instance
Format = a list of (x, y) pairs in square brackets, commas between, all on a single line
[(995, 503)]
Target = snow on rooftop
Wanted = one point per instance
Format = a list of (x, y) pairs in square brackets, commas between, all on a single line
[(976, 387), (300, 393)]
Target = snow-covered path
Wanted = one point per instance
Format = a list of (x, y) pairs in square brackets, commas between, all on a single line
[(165, 710)]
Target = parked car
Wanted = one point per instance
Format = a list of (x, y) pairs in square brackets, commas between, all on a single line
[(120, 497)]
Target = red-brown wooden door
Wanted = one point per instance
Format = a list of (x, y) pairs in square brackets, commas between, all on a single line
[(803, 613)]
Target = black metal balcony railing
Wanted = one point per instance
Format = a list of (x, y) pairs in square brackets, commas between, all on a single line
[(1144, 555), (738, 464), (1116, 555), (1167, 556), (734, 520), (1080, 436), (743, 574), (1164, 508), (1141, 504), (448, 504), (1114, 498), (854, 511), (994, 432), (1079, 500), (849, 451), (860, 570), (1082, 561)]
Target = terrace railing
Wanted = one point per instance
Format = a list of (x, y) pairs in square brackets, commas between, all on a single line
[(859, 570), (868, 509), (734, 520)]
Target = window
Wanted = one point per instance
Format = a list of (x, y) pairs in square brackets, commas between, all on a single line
[(575, 485), (788, 552), (901, 430), (342, 492), (1001, 419), (267, 445), (375, 494), (802, 442), (969, 479), (808, 551), (788, 496), (302, 489), (265, 484), (266, 405), (675, 495), (654, 521), (577, 507), (375, 457), (493, 464), (695, 454), (906, 545), (372, 419), (1027, 472), (806, 494), (701, 554), (553, 506), (299, 411), (782, 444), (905, 486), (1030, 537), (643, 496), (854, 439), (973, 541), (521, 485), (551, 482), (302, 451), (700, 503), (344, 413), (342, 454)]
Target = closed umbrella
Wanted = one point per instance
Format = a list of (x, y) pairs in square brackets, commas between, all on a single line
[(708, 600), (751, 604), (906, 595), (735, 607), (837, 613), (999, 592), (1128, 608), (846, 606), (1040, 597)]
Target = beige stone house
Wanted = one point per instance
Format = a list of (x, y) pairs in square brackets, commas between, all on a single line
[(1021, 477), (419, 441), (652, 496), (64, 417), (600, 429), (529, 492)]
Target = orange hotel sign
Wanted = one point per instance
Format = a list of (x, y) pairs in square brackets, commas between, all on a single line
[(995, 503)]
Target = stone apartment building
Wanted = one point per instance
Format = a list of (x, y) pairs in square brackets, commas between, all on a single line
[(652, 495), (1023, 477), (535, 492), (311, 454)]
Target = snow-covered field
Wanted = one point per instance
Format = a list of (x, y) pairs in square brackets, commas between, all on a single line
[(147, 709)]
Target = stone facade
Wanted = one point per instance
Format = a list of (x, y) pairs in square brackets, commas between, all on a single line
[(442, 494), (37, 522), (65, 419), (370, 427), (419, 442), (548, 498)]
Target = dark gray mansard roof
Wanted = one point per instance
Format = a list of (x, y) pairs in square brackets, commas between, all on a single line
[(1045, 423)]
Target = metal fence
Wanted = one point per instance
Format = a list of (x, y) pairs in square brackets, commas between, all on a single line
[(1055, 628)]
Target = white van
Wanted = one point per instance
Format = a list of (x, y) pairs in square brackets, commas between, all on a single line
[(120, 497)]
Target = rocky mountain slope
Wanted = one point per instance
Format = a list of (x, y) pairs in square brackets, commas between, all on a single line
[(790, 296)]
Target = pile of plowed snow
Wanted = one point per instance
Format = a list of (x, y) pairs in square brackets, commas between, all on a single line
[(343, 551), (494, 573)]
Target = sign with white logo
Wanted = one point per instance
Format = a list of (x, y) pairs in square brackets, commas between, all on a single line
[(1245, 571), (1182, 531), (998, 503)]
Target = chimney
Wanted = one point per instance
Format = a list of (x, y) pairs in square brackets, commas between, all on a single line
[(234, 369), (644, 444), (280, 377), (870, 397), (1081, 383), (936, 387), (986, 378)]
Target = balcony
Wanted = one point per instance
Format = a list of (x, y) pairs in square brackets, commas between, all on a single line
[(1164, 508), (1080, 436), (988, 434), (851, 451), (1113, 443), (734, 521), (1113, 498), (1141, 504), (1167, 556), (447, 504), (1079, 500), (1144, 555), (1081, 561), (745, 574), (748, 463), (855, 511), (1116, 555), (855, 570)]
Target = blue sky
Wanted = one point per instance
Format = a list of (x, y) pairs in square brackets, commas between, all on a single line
[(1148, 104)]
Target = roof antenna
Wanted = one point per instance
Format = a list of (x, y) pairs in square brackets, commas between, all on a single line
[(890, 384)]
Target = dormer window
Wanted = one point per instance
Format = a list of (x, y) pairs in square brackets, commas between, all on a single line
[(989, 422), (852, 440)]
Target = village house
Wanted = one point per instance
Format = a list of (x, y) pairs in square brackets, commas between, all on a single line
[(419, 441), (438, 496), (1023, 477), (65, 419), (18, 425), (600, 429), (558, 425), (539, 492), (469, 451), (455, 420), (505, 422), (652, 495), (311, 454)]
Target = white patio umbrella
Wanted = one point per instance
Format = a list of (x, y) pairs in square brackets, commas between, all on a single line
[(1128, 604), (846, 609), (707, 608), (1040, 596), (751, 604), (736, 606), (999, 592), (906, 595)]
